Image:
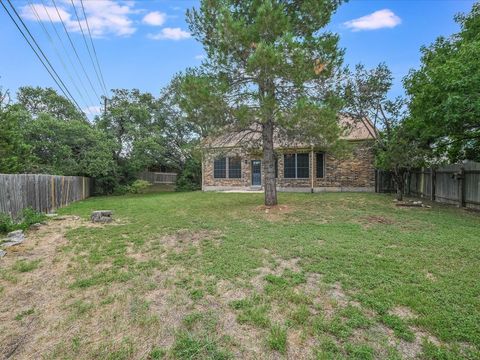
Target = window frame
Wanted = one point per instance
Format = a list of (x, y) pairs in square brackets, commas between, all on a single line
[(296, 166), (323, 165), (226, 169), (239, 169)]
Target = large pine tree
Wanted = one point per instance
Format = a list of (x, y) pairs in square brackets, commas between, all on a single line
[(270, 67)]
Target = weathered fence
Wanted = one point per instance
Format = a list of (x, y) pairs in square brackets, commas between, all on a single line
[(44, 193), (158, 177), (457, 184)]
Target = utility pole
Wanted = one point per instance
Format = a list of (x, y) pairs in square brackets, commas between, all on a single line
[(105, 105)]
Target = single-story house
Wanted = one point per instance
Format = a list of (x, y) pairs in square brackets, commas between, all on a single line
[(230, 162)]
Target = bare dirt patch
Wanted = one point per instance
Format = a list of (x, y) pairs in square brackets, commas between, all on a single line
[(368, 221), (37, 293), (430, 276), (181, 239), (403, 312), (274, 213)]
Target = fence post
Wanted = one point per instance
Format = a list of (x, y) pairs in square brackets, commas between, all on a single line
[(432, 184), (461, 188)]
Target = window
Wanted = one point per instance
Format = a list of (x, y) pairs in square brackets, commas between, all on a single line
[(303, 166), (320, 165), (220, 168), (234, 168), (296, 166), (227, 168), (289, 161), (276, 167)]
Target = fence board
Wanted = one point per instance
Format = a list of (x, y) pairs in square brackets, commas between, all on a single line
[(43, 193), (457, 184), (158, 177)]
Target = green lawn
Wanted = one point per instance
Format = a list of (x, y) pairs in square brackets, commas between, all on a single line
[(209, 275)]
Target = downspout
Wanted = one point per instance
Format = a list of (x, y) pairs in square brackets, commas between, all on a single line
[(311, 167)]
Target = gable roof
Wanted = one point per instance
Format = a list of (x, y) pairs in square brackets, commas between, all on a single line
[(354, 131)]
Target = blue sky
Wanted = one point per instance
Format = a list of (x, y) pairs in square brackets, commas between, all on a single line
[(142, 44)]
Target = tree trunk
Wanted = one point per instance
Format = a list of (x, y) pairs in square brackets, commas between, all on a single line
[(398, 179), (269, 164)]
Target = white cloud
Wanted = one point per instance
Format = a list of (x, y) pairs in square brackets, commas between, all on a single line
[(106, 17), (170, 34), (200, 56), (44, 13), (155, 18), (377, 20)]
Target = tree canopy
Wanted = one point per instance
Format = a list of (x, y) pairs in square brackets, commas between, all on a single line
[(445, 92)]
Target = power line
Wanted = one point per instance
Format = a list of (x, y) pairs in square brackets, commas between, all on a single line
[(64, 89), (57, 53), (86, 45), (93, 47), (67, 54), (75, 50)]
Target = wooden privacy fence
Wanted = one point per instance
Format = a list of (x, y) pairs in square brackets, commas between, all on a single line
[(158, 177), (457, 184), (43, 193)]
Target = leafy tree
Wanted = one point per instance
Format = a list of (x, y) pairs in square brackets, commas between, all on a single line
[(366, 96), (37, 100), (181, 135), (131, 121), (15, 152), (444, 92), (72, 147), (269, 69)]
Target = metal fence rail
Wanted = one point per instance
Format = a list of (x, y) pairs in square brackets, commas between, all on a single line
[(457, 184), (43, 193)]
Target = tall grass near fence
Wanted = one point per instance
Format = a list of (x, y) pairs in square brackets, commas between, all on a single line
[(43, 193)]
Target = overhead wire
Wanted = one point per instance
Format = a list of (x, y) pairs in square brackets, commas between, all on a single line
[(75, 51), (93, 47), (80, 80), (40, 54), (88, 48), (34, 10)]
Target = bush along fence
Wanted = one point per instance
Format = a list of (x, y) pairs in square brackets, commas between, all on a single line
[(44, 193), (457, 184)]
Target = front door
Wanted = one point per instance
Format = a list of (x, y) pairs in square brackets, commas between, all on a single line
[(256, 173)]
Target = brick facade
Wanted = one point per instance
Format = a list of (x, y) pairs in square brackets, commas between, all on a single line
[(350, 173)]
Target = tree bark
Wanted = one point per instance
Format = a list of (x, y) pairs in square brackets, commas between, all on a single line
[(398, 179), (269, 164)]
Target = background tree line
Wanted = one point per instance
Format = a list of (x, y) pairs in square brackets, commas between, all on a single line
[(270, 66), (42, 132)]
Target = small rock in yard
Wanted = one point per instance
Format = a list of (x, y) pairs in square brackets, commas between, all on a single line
[(17, 234), (35, 226), (2, 253), (60, 218), (102, 216), (51, 215), (14, 238)]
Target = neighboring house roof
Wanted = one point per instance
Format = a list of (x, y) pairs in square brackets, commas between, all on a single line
[(354, 131)]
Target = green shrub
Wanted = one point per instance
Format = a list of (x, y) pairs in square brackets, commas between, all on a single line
[(29, 216), (6, 223), (139, 187), (190, 177)]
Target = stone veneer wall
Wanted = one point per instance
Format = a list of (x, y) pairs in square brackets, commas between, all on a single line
[(353, 172)]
